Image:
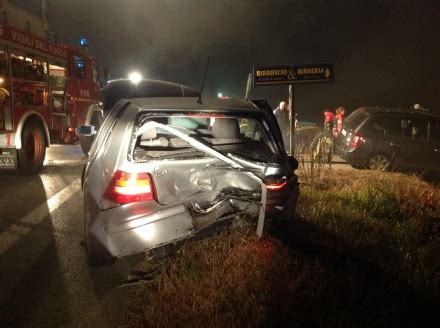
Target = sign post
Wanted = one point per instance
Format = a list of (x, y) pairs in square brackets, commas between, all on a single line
[(290, 75), (248, 86), (291, 120)]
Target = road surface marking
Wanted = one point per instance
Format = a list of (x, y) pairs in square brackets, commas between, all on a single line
[(13, 234)]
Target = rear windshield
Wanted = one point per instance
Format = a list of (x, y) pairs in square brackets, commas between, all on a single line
[(245, 137), (356, 118)]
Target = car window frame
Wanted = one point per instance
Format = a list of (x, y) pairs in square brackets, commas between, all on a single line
[(104, 132), (417, 119), (261, 119), (432, 120)]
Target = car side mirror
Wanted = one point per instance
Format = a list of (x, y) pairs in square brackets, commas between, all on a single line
[(86, 130), (293, 163)]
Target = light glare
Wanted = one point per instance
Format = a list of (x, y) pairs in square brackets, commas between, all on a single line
[(135, 77)]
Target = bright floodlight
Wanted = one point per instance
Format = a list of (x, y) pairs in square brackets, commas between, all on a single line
[(219, 95), (135, 77)]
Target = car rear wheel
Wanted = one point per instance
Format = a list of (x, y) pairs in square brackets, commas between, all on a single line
[(378, 162), (86, 143), (96, 253), (357, 166), (287, 215)]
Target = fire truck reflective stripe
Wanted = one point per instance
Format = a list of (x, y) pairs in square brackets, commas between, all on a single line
[(7, 139), (23, 226)]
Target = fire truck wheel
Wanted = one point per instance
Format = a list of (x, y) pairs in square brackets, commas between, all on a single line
[(33, 149), (86, 143)]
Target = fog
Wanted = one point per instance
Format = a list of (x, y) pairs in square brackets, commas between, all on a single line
[(384, 52)]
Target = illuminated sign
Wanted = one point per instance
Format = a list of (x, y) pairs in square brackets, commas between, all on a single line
[(292, 74)]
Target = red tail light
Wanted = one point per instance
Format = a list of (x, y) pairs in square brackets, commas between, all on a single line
[(275, 184), (356, 140), (129, 188)]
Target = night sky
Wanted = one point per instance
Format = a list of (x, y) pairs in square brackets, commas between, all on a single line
[(384, 52)]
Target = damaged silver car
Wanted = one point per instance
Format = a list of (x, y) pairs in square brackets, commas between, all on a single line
[(162, 170)]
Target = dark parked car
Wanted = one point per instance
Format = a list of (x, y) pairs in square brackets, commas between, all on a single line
[(165, 169), (381, 138)]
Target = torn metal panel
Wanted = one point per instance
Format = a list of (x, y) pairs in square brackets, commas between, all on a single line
[(177, 181), (234, 163)]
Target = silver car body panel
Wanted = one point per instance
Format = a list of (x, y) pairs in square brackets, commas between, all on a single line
[(137, 232)]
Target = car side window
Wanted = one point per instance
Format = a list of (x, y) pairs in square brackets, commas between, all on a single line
[(435, 131), (415, 128), (395, 128), (381, 123)]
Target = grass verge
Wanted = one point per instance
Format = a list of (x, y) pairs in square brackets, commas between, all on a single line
[(362, 252)]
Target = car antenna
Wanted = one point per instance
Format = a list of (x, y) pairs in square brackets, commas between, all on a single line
[(203, 81)]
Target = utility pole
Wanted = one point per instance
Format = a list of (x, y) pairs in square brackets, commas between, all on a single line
[(43, 10), (248, 86), (291, 109)]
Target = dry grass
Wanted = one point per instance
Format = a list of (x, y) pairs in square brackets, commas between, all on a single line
[(312, 169), (363, 252), (231, 280), (389, 219)]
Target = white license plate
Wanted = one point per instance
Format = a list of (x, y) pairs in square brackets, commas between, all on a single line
[(7, 161), (344, 133)]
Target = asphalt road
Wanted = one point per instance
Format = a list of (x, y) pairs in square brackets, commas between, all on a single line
[(44, 279)]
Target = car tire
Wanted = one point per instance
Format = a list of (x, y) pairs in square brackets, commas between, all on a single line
[(357, 166), (83, 174), (96, 253), (379, 162), (33, 148), (289, 210), (86, 143)]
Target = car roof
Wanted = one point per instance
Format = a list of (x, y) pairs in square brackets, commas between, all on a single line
[(125, 89), (192, 104), (380, 109)]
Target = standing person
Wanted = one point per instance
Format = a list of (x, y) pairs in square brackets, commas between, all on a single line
[(283, 117), (328, 119), (338, 120)]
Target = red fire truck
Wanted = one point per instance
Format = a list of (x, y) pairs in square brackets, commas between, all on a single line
[(46, 90)]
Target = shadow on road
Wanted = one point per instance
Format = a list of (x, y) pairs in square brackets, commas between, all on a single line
[(30, 270)]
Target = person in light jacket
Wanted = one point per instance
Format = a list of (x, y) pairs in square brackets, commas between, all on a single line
[(282, 114)]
